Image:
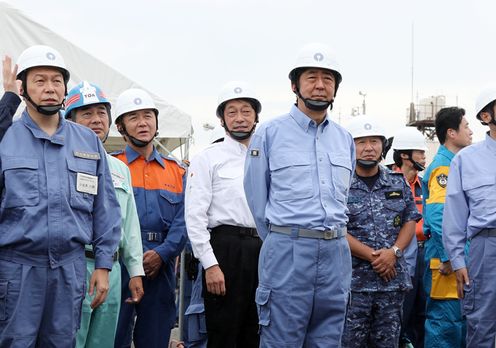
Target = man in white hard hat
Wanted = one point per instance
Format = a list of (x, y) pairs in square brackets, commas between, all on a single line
[(87, 104), (297, 176), (389, 161), (10, 100), (409, 155), (388, 155), (57, 197), (470, 215), (158, 190), (382, 217), (444, 325), (195, 335), (218, 134), (220, 225)]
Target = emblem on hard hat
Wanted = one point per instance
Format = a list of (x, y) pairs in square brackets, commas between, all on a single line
[(318, 57), (138, 101), (238, 90), (50, 56), (367, 126)]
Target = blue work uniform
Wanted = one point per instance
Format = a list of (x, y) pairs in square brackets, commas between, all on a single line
[(8, 106), (444, 325), (57, 196), (297, 177), (376, 216), (470, 214), (414, 305), (158, 185), (195, 323)]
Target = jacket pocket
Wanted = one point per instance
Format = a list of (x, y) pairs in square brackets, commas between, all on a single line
[(262, 299), (196, 325), (80, 200), (341, 176), (468, 297), (291, 176), (21, 182)]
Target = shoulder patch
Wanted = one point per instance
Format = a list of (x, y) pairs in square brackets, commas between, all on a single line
[(437, 184), (442, 180)]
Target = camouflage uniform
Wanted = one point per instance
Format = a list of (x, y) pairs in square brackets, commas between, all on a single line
[(375, 218)]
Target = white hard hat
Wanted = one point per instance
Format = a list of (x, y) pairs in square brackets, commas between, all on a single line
[(316, 55), (40, 55), (236, 90), (409, 138), (365, 126), (389, 160), (134, 99), (217, 134), (485, 97)]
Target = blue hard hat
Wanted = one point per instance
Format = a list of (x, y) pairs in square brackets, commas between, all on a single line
[(85, 94)]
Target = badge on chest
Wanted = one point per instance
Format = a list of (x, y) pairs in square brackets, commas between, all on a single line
[(118, 180), (394, 194), (87, 183)]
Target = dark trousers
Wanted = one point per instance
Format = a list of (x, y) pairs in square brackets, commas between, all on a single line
[(232, 320), (414, 305), (148, 323)]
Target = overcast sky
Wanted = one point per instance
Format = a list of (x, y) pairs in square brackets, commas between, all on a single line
[(184, 50)]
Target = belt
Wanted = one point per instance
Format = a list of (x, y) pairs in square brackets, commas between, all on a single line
[(40, 260), (91, 255), (152, 236), (488, 232), (420, 243), (236, 230), (333, 233)]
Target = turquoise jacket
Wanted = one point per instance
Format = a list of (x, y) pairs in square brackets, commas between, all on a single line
[(434, 185)]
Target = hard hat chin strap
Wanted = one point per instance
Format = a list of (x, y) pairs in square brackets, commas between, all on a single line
[(367, 164), (133, 140), (106, 136), (139, 143), (416, 165), (315, 105), (239, 136), (47, 110)]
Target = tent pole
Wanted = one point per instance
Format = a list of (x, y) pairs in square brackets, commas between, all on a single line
[(182, 271)]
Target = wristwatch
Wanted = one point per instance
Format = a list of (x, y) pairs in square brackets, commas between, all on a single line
[(397, 251)]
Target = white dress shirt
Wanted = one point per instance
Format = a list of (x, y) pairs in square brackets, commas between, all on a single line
[(215, 195)]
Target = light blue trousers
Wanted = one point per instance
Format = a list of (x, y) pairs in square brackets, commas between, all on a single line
[(303, 291)]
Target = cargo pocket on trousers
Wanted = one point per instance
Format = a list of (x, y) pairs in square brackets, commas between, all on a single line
[(3, 299), (468, 298), (262, 298), (195, 319)]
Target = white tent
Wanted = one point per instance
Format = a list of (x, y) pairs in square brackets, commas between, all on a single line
[(18, 32)]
